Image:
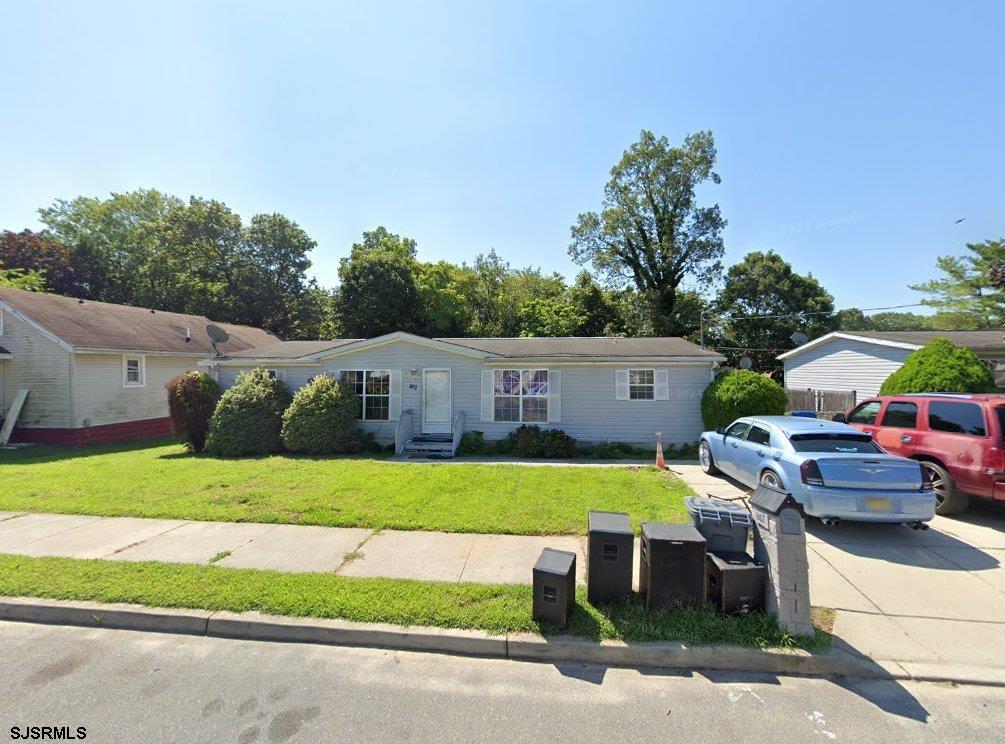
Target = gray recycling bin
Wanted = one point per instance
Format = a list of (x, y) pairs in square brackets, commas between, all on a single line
[(724, 524), (609, 552), (554, 586)]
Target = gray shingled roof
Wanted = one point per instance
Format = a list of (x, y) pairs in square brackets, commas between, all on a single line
[(102, 325), (970, 339), (561, 348)]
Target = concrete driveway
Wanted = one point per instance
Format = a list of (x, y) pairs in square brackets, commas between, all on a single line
[(917, 598)]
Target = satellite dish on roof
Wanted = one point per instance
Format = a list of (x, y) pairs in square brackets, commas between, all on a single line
[(217, 336), (799, 338), (746, 363)]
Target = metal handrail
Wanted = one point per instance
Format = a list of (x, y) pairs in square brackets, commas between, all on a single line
[(457, 428), (401, 434)]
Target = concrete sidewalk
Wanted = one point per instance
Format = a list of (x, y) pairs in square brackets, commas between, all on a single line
[(920, 599), (430, 556)]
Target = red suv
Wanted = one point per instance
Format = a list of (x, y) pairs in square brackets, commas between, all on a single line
[(959, 439)]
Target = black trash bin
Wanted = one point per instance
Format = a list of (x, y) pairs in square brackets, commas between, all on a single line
[(609, 552), (734, 582), (554, 586), (672, 566)]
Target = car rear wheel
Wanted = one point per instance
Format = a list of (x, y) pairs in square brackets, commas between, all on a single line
[(948, 498), (705, 460), (770, 478)]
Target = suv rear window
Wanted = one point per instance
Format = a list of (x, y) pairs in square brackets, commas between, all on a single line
[(844, 444), (957, 418), (1001, 421)]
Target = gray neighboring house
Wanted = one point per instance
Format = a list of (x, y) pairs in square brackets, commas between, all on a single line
[(860, 361), (423, 393)]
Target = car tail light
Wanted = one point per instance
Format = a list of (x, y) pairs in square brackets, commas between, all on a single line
[(926, 479), (809, 471), (994, 460)]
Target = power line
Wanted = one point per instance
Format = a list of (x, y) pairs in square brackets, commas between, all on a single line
[(823, 312)]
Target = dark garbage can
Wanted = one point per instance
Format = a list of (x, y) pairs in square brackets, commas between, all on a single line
[(672, 566), (724, 524), (734, 582), (804, 414), (554, 586), (610, 547)]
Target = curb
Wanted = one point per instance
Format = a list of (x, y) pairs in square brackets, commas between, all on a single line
[(517, 646)]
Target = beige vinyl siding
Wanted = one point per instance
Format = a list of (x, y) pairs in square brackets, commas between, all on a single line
[(40, 365), (102, 399), (844, 364), (589, 409)]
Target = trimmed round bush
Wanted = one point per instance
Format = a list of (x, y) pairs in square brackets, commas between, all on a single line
[(741, 392), (322, 418), (249, 417), (192, 398), (940, 367)]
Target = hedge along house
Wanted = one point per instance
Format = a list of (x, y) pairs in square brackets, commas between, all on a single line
[(423, 393), (94, 371), (859, 362)]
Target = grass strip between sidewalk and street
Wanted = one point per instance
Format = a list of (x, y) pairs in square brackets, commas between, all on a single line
[(163, 480), (495, 608)]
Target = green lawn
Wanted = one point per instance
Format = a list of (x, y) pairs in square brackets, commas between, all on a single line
[(494, 608), (163, 480)]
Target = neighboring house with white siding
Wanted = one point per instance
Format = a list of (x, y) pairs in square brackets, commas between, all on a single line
[(860, 361), (427, 391), (95, 371)]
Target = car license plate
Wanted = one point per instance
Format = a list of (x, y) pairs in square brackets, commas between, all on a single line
[(878, 505)]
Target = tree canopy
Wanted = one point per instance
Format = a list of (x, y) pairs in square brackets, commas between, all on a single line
[(651, 231), (967, 293), (764, 302), (940, 367)]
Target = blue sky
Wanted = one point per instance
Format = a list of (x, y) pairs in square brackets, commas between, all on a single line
[(851, 136)]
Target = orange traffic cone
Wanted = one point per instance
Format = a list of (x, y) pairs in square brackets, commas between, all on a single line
[(660, 462)]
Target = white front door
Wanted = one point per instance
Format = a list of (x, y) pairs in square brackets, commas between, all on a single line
[(436, 401)]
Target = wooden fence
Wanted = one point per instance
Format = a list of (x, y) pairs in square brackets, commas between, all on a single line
[(821, 401)]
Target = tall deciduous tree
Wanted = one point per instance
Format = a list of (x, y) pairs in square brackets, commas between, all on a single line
[(764, 284), (967, 286), (651, 231), (377, 295)]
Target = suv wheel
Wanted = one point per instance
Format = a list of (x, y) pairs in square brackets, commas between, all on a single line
[(705, 459), (948, 499)]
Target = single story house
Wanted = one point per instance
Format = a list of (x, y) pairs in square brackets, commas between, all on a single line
[(423, 393), (860, 361), (94, 371)]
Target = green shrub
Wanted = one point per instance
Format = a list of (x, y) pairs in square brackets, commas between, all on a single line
[(192, 398), (472, 443), (940, 367), (741, 392), (249, 417), (322, 418), (531, 441)]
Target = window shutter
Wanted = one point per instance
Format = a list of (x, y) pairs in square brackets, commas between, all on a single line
[(554, 395), (394, 403), (488, 404), (661, 390), (621, 384)]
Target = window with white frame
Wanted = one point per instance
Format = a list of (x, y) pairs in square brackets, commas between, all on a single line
[(641, 384), (520, 395), (373, 387), (133, 371)]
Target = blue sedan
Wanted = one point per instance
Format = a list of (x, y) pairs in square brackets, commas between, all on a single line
[(833, 470)]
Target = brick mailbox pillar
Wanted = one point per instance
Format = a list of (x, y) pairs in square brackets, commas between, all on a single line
[(780, 546)]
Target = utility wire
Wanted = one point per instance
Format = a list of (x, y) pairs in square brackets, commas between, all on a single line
[(822, 312)]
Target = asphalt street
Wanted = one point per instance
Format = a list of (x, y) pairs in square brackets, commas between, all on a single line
[(125, 686)]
